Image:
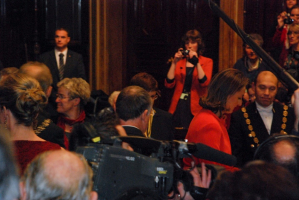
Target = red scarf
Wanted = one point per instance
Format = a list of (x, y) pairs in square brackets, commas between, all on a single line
[(62, 120)]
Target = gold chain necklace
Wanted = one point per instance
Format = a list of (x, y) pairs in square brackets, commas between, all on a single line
[(252, 134)]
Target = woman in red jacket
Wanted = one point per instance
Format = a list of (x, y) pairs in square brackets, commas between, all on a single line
[(190, 73), (208, 127)]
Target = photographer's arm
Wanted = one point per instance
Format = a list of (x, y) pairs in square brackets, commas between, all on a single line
[(177, 56)]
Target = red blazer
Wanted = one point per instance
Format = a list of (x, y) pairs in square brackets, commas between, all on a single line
[(279, 41), (197, 89), (208, 129)]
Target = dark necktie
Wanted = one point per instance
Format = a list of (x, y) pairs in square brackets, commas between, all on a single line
[(61, 66)]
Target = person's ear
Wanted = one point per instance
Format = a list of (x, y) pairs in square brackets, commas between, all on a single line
[(144, 115), (48, 91), (93, 195), (22, 190), (77, 101)]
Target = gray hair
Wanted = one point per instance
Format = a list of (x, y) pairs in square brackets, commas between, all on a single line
[(40, 184), (9, 180), (78, 88)]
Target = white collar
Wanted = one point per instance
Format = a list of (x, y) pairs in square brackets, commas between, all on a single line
[(268, 109)]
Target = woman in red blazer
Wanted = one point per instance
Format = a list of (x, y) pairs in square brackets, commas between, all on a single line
[(208, 127), (190, 73)]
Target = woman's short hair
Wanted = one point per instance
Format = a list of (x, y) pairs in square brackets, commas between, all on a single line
[(222, 85), (194, 35), (257, 38), (77, 87), (23, 96)]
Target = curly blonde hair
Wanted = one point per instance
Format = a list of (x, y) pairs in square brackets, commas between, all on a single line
[(23, 96), (78, 88)]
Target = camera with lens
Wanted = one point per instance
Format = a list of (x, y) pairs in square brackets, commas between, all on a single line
[(288, 19), (185, 52), (151, 173)]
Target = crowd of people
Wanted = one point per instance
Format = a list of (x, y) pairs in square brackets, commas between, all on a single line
[(237, 112)]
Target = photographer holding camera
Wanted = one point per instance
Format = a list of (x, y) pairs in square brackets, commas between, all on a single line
[(190, 73), (280, 38)]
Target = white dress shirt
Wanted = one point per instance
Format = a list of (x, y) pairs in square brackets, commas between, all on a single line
[(267, 115), (57, 56)]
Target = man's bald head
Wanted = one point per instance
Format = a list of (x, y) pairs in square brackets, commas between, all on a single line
[(60, 174), (265, 87)]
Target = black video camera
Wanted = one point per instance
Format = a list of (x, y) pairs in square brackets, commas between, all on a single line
[(126, 175)]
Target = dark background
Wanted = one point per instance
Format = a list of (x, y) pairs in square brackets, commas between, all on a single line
[(154, 30)]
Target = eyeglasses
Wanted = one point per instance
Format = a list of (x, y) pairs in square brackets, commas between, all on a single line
[(60, 96)]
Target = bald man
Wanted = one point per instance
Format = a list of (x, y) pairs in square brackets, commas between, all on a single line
[(58, 174), (252, 125)]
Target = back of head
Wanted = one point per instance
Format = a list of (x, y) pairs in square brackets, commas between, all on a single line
[(9, 181), (8, 70), (281, 150), (132, 102), (222, 85), (23, 96), (256, 181), (58, 174), (40, 72), (78, 88), (146, 81)]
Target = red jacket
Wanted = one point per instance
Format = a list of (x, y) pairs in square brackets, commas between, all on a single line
[(208, 129), (280, 41), (197, 89)]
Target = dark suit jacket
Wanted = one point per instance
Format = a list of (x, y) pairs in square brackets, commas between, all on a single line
[(162, 127), (50, 132), (74, 68), (239, 132)]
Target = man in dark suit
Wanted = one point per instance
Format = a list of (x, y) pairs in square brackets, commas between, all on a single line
[(133, 107), (160, 125), (45, 128), (62, 62), (252, 125)]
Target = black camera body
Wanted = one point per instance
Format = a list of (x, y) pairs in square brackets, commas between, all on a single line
[(123, 174), (288, 20), (185, 52)]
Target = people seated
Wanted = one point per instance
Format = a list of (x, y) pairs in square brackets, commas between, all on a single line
[(58, 174), (21, 101), (161, 125), (72, 95), (225, 92), (252, 125)]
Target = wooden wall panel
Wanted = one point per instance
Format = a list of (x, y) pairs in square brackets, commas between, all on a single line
[(230, 44)]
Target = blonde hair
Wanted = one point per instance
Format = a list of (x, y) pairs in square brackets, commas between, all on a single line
[(78, 88), (23, 96)]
